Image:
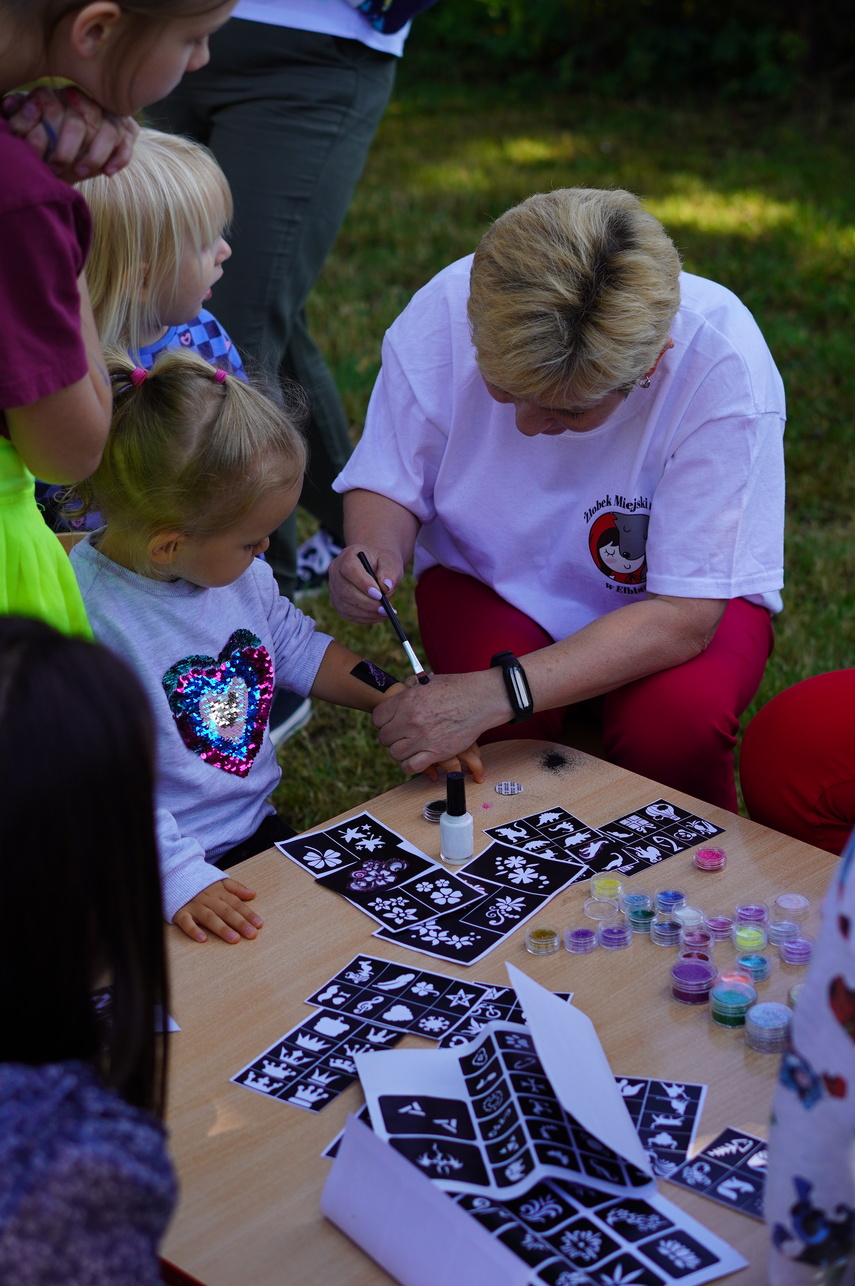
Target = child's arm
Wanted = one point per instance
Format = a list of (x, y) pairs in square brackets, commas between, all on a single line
[(345, 679), (60, 438), (196, 895), (219, 908)]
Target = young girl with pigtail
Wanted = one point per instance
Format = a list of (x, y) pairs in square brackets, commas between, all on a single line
[(198, 470)]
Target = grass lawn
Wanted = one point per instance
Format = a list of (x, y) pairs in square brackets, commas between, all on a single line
[(755, 200)]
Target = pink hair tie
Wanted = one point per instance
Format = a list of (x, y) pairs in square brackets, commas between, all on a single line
[(137, 376), (220, 376)]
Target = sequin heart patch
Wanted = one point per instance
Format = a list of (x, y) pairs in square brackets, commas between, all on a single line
[(221, 706)]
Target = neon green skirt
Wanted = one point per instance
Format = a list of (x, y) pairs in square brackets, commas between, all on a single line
[(36, 578)]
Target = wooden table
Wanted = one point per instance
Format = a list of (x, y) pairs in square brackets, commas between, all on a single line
[(250, 1168)]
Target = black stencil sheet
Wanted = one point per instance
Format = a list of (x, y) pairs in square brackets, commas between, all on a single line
[(730, 1170), (313, 1062), (666, 1115)]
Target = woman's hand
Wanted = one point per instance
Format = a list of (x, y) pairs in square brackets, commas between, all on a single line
[(70, 132), (431, 723), (354, 594)]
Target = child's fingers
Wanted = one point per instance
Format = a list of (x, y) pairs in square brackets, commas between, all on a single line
[(471, 759), (242, 891), (185, 922)]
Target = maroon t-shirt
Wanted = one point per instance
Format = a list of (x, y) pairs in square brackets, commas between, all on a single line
[(45, 234)]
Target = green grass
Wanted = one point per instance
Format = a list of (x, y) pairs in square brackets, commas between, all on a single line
[(758, 202)]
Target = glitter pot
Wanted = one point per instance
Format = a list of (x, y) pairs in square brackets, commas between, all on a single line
[(664, 931), (630, 902), (758, 966), (580, 940), (736, 975), (697, 938), (434, 810), (615, 934), (668, 899), (766, 1027), (719, 924), (605, 888), (796, 951), (688, 916), (696, 955), (710, 859), (751, 913), (748, 937), (794, 905), (779, 930), (729, 1002), (794, 993), (600, 909), (542, 942), (692, 980), (641, 919)]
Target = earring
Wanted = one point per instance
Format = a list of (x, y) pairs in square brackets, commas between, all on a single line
[(644, 382)]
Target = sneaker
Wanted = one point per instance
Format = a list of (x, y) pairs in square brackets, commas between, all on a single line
[(289, 713), (313, 561)]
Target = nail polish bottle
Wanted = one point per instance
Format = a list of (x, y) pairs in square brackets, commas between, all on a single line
[(456, 831)]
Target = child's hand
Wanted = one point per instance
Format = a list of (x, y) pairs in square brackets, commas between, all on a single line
[(470, 759), (70, 132), (218, 908)]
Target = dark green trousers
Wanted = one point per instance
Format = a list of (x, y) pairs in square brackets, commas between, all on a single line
[(290, 116)]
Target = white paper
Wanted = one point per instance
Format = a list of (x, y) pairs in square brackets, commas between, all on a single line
[(579, 1072), (406, 1224)]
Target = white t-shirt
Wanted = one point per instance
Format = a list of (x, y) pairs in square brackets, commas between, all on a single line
[(329, 17), (680, 492)]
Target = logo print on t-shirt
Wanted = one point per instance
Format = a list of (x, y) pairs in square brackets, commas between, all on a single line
[(221, 705), (618, 543)]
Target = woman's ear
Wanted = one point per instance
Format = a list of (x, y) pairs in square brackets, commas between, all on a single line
[(93, 27), (164, 548)]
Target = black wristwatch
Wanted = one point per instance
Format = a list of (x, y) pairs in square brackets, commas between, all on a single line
[(516, 684)]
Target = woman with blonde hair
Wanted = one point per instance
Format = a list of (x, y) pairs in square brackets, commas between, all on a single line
[(582, 446)]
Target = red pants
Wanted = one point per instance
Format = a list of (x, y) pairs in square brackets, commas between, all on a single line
[(678, 726), (797, 763)]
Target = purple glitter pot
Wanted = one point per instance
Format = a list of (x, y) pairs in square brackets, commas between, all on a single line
[(692, 980), (719, 924), (580, 940), (615, 934), (797, 951), (751, 913), (697, 938)]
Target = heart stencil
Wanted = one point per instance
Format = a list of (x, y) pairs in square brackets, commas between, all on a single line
[(221, 705)]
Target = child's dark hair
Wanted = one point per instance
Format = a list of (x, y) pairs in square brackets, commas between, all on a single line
[(80, 870), (190, 449)]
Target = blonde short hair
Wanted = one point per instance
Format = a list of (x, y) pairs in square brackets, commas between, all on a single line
[(171, 195), (572, 295), (190, 449)]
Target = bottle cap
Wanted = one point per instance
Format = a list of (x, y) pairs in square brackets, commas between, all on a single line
[(455, 792)]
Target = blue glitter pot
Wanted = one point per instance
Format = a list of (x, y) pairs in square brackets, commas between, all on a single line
[(752, 962), (667, 899)]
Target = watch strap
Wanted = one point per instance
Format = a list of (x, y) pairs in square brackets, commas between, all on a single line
[(516, 685)]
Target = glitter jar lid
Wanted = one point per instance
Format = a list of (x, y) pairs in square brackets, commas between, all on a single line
[(794, 993), (580, 940), (796, 950), (766, 1027), (606, 888), (748, 937), (729, 1002), (614, 934), (542, 942), (757, 965), (779, 930), (751, 913), (600, 909), (719, 924), (630, 902), (665, 931), (697, 938), (691, 980), (434, 810), (710, 859), (795, 906), (668, 899), (688, 915)]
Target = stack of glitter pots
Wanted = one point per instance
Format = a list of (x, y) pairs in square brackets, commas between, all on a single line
[(614, 916)]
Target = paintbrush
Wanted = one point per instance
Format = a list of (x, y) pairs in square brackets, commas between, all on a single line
[(418, 668)]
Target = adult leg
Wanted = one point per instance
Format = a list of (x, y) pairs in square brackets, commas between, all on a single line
[(463, 624), (290, 116), (797, 762), (680, 726)]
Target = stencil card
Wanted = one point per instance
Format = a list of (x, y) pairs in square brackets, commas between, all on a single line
[(666, 1115), (343, 845), (446, 937), (731, 1170), (498, 1004), (314, 1062), (520, 871), (412, 1000), (655, 821), (378, 886)]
